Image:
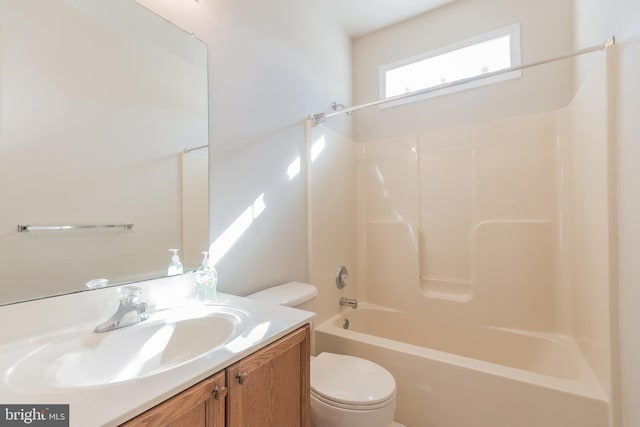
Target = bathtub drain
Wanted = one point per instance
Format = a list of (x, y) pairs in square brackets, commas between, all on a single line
[(345, 323)]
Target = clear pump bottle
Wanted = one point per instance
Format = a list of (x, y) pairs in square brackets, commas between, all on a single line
[(206, 281), (175, 266)]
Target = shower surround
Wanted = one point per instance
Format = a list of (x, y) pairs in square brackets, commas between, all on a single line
[(500, 226)]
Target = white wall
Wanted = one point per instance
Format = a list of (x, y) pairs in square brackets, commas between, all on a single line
[(597, 20), (333, 220), (545, 31), (271, 64)]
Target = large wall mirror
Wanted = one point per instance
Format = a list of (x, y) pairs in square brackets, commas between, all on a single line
[(98, 102)]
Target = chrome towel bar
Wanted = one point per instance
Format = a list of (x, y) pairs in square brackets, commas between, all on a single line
[(27, 228)]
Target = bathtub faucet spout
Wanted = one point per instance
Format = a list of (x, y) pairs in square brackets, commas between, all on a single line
[(349, 302)]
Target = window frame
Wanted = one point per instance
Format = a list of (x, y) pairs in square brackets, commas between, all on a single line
[(512, 30)]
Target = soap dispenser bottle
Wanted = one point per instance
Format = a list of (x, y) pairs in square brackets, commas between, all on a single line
[(175, 266), (206, 281)]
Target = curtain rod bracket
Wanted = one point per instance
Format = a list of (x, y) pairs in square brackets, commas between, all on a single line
[(609, 43), (322, 117), (335, 106), (317, 118)]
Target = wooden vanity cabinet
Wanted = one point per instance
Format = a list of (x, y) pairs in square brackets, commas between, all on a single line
[(269, 388), (202, 405)]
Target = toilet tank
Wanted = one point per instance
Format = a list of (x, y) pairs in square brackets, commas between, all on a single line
[(291, 294)]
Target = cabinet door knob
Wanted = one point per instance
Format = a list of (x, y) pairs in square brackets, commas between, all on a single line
[(219, 392), (241, 377)]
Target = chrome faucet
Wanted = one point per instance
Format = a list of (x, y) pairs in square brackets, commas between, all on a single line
[(349, 302), (128, 304)]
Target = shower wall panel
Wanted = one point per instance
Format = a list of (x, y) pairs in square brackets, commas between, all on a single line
[(474, 214)]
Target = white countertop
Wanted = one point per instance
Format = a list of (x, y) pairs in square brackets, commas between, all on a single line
[(111, 405)]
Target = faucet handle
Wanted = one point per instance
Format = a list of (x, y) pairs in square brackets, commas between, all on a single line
[(143, 311), (130, 294)]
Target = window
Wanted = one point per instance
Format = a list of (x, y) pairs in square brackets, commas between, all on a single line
[(486, 53)]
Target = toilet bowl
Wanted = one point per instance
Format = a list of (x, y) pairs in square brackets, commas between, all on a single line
[(350, 391), (346, 391)]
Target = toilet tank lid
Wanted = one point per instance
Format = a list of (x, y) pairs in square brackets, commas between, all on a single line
[(351, 380), (290, 294)]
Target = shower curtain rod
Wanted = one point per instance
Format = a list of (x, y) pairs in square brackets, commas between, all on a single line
[(320, 117)]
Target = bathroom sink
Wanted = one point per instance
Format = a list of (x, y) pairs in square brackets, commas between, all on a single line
[(84, 358)]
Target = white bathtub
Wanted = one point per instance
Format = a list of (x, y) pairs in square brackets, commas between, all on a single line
[(450, 376)]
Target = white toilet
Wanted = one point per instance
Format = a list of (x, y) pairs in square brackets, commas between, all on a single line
[(346, 391)]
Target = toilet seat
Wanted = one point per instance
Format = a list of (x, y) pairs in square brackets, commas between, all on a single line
[(350, 407), (351, 382)]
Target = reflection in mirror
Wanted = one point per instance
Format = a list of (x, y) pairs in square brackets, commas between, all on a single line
[(99, 101)]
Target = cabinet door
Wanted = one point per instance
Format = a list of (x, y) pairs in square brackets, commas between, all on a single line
[(270, 388), (202, 405)]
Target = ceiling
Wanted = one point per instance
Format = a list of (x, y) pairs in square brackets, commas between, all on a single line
[(359, 17)]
